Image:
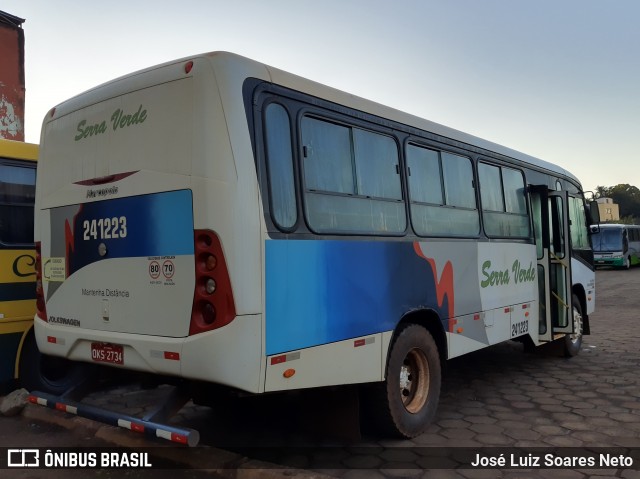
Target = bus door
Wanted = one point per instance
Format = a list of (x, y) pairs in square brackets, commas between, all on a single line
[(551, 227)]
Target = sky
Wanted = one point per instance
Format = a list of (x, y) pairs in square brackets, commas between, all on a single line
[(556, 79)]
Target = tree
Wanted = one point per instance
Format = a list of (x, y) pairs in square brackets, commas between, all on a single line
[(627, 197), (601, 192)]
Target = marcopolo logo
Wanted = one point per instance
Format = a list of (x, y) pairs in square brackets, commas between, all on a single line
[(119, 119), (23, 458)]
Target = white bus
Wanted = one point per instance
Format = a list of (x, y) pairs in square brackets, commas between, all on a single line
[(616, 245), (220, 220)]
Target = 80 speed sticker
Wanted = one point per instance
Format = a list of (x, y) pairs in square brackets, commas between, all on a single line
[(154, 270)]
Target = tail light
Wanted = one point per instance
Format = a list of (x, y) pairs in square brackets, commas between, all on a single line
[(213, 305), (41, 308)]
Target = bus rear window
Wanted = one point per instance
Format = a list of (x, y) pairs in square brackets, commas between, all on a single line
[(17, 194)]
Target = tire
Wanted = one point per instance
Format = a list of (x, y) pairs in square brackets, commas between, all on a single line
[(627, 263), (405, 403), (49, 374), (573, 342)]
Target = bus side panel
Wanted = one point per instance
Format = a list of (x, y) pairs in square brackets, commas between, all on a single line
[(17, 307), (17, 284), (345, 362), (319, 292), (584, 276)]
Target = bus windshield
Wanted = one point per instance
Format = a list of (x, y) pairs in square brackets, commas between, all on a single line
[(607, 240)]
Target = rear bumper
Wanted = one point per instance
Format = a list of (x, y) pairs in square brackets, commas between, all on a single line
[(231, 355)]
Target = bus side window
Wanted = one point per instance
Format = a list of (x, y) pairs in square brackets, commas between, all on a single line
[(504, 206), (280, 166), (351, 179), (17, 186), (441, 192)]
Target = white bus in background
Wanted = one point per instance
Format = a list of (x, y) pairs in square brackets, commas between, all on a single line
[(220, 220), (616, 245)]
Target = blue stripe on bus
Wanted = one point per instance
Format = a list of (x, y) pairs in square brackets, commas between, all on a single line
[(17, 291), (159, 224), (320, 291)]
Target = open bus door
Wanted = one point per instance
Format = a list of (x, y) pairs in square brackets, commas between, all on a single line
[(551, 226)]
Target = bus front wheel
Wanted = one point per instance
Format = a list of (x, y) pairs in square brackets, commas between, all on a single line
[(573, 342), (406, 402)]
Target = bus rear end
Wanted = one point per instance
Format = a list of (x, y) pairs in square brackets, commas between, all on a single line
[(135, 218)]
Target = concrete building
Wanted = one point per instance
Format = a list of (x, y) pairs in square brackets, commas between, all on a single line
[(609, 211), (11, 77)]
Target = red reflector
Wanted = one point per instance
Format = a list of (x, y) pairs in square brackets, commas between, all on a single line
[(137, 427), (278, 359), (51, 339), (476, 317), (175, 437), (61, 407), (171, 355), (211, 262), (32, 399), (507, 310), (188, 66), (358, 343), (525, 306)]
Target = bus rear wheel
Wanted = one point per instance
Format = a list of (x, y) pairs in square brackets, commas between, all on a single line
[(406, 402), (53, 375)]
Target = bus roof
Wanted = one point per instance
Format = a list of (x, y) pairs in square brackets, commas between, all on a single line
[(238, 66), (18, 150), (337, 96)]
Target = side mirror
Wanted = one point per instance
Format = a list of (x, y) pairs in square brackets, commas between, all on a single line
[(594, 211)]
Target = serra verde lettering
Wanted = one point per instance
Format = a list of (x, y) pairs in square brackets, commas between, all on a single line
[(119, 119), (503, 277)]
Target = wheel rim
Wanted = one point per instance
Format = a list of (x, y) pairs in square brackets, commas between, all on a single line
[(577, 326), (414, 380)]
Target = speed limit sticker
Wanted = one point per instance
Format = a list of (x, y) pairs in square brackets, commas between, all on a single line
[(168, 268), (154, 270)]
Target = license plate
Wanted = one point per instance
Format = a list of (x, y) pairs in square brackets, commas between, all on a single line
[(107, 353)]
